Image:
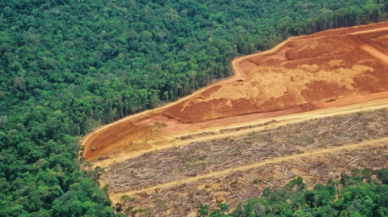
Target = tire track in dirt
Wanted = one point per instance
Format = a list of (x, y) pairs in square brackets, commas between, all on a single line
[(376, 53), (370, 31), (116, 197), (364, 45)]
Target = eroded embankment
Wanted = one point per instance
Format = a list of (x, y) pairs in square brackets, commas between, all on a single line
[(299, 75)]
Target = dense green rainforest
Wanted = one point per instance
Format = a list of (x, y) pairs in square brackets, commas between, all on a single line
[(363, 194), (68, 66)]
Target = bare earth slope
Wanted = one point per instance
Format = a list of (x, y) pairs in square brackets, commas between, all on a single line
[(301, 74)]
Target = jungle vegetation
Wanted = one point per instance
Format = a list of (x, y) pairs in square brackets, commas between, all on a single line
[(69, 66), (365, 193)]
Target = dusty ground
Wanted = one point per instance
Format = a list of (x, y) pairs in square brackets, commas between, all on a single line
[(302, 72), (299, 75)]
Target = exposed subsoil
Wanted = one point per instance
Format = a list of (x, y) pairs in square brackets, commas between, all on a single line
[(301, 74)]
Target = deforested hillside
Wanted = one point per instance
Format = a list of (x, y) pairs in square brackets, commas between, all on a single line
[(305, 76), (99, 61), (235, 169), (69, 66)]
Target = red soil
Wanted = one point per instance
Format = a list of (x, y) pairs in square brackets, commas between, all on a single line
[(302, 71), (348, 64)]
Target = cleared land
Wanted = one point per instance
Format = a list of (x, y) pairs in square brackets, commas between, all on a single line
[(302, 74), (296, 113), (175, 181), (200, 158), (182, 198)]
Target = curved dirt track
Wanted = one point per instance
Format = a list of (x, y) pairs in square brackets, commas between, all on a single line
[(115, 140), (116, 197)]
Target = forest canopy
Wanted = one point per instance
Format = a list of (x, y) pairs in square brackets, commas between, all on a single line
[(365, 193), (69, 66)]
